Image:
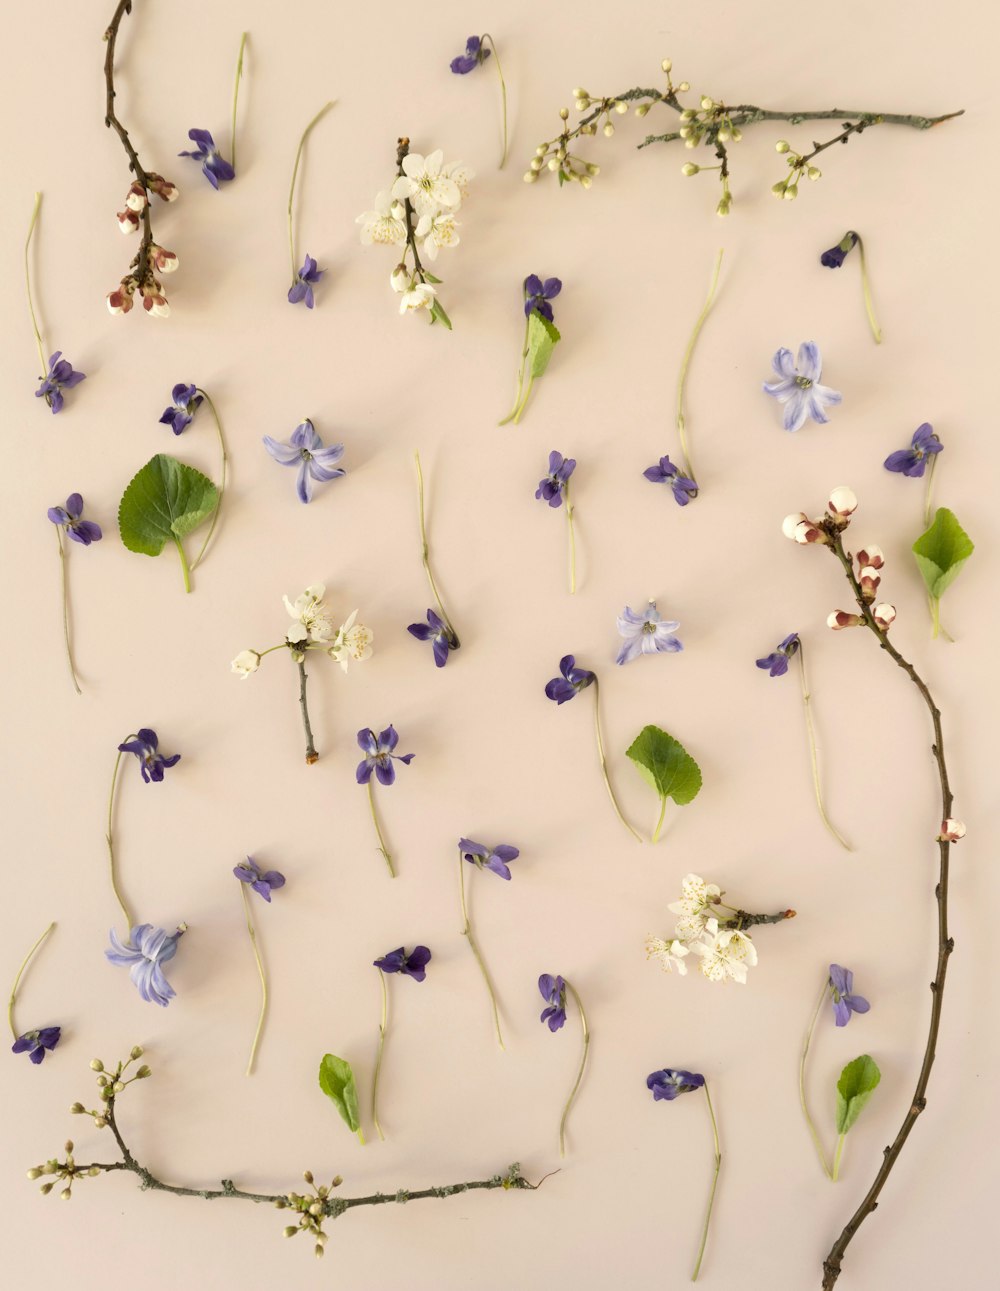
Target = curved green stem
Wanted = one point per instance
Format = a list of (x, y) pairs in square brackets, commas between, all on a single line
[(67, 635), (236, 95), (867, 292), (811, 735), (715, 1182), (579, 1074), (263, 980), (185, 567), (685, 363), (817, 1142), (524, 400), (659, 823), (291, 191), (836, 1158), (604, 764), (17, 980), (378, 1057), (928, 488), (503, 94), (110, 840), (222, 482), (378, 832), (572, 543), (425, 552), (27, 283), (520, 378), (467, 934)]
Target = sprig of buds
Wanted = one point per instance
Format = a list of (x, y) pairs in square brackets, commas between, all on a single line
[(311, 1208)]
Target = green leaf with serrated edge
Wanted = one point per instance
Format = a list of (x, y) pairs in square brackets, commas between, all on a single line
[(336, 1080), (163, 503), (941, 551), (665, 764), (858, 1081), (542, 338)]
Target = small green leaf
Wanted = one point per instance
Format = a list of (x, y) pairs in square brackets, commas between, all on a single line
[(856, 1085), (942, 551), (666, 765), (429, 277), (163, 503), (542, 338), (438, 315), (336, 1080)]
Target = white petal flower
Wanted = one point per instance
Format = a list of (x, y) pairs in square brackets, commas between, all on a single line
[(353, 641), (669, 953), (460, 174), (312, 618), (436, 231), (726, 955), (696, 894), (383, 225), (420, 296), (424, 182), (246, 662)]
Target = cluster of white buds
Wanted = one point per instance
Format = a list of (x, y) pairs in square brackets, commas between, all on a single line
[(841, 506), (65, 1172), (150, 256), (311, 1208), (799, 165)]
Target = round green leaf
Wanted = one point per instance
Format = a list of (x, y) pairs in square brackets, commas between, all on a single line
[(163, 503)]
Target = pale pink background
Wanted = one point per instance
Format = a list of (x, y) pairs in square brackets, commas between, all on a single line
[(494, 758)]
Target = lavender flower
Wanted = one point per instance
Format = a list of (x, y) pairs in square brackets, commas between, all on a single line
[(776, 663), (799, 389), (665, 472), (844, 1002), (263, 882), (476, 53), (554, 487), (214, 166), (35, 1043), (70, 517), (670, 1084), (306, 278), (913, 461), (537, 295), (379, 755), (495, 859), (553, 991), (305, 450), (438, 632), (186, 402), (572, 681), (412, 965), (646, 633), (146, 950), (61, 376), (836, 256), (151, 762)]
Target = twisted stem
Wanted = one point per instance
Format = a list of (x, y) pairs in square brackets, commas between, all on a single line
[(236, 96), (866, 290), (604, 764), (579, 1075), (503, 94), (813, 757), (17, 980), (263, 980), (467, 934)]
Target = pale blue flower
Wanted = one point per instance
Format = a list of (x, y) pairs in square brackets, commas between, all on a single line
[(646, 633), (799, 389), (146, 950)]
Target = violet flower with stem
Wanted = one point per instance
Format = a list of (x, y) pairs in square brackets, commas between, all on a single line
[(496, 860), (58, 374), (214, 166), (835, 257), (476, 53), (554, 991), (412, 965), (145, 745), (263, 882), (302, 280), (540, 337), (682, 380), (379, 757), (665, 472), (918, 459), (37, 1042), (185, 402), (554, 489), (69, 520), (439, 628)]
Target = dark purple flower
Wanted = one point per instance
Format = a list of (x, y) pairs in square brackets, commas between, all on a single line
[(665, 472), (913, 461), (307, 278), (668, 1084), (776, 663), (496, 858), (835, 257), (62, 376), (69, 516), (151, 763), (263, 882), (143, 954), (214, 166), (475, 54), (379, 755), (412, 965), (572, 681), (305, 450), (439, 633), (537, 295), (35, 1043), (186, 402), (553, 488), (553, 991), (844, 1003)]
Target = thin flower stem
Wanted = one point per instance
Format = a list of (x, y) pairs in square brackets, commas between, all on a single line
[(222, 482), (110, 839), (836, 1158), (17, 980), (817, 1142), (867, 292), (604, 764), (467, 934), (185, 567), (67, 634), (236, 95), (378, 832), (937, 628), (311, 754), (685, 362), (579, 1074), (27, 283), (378, 1057), (425, 552), (503, 95), (291, 191), (715, 1182), (811, 735), (659, 823), (929, 488), (572, 542), (263, 980), (520, 377), (524, 401)]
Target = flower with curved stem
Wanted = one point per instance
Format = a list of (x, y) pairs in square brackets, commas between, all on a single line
[(40, 1040), (61, 374), (438, 633), (835, 257), (667, 1085), (263, 882), (554, 489), (799, 389), (145, 745), (439, 628), (554, 991), (214, 166), (540, 338), (306, 451), (538, 295), (413, 965), (379, 757), (144, 954), (482, 857), (298, 280), (919, 458), (776, 663), (475, 55), (306, 278), (845, 1002), (185, 402), (495, 859), (665, 472), (646, 633), (682, 382), (69, 520)]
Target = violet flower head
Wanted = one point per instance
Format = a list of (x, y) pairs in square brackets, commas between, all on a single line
[(665, 472), (669, 1084), (305, 450), (379, 755), (572, 681), (412, 964), (646, 633), (476, 53), (553, 991), (144, 954), (776, 663), (496, 859), (307, 278), (71, 518), (836, 256), (214, 166), (263, 882), (538, 294), (552, 489), (913, 461), (152, 763), (799, 389), (180, 414), (61, 376), (36, 1043), (844, 1002), (437, 632)]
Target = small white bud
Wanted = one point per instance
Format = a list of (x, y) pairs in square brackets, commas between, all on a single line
[(870, 556), (530, 176), (608, 130), (667, 65), (791, 523), (689, 168), (684, 86), (951, 830), (814, 172), (840, 619), (585, 181), (621, 108), (642, 109), (781, 146), (791, 193), (883, 615), (843, 501), (707, 104), (723, 135)]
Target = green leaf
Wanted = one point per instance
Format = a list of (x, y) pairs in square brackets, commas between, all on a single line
[(942, 551), (336, 1080), (856, 1085), (542, 338), (663, 761), (438, 315), (164, 503), (429, 277)]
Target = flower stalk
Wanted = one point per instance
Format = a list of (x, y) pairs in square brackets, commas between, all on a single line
[(814, 1133), (381, 1046), (866, 290), (222, 480), (110, 839), (67, 631), (467, 934), (602, 758), (572, 541), (263, 980), (236, 96), (291, 190), (712, 1188), (382, 849), (813, 756), (17, 980), (503, 95), (27, 285), (582, 1068), (425, 555), (686, 361)]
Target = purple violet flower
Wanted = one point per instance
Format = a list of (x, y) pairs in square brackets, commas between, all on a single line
[(537, 295), (553, 991), (913, 461), (186, 402), (379, 755), (412, 965), (70, 517), (476, 53), (35, 1043), (799, 389), (844, 1002), (146, 950), (665, 472), (776, 663), (307, 278), (61, 376), (214, 166), (553, 488), (151, 762), (669, 1084), (439, 633), (646, 633), (495, 859), (572, 681), (836, 256), (263, 882), (305, 450)]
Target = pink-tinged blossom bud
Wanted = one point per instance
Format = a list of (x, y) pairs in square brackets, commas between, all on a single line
[(841, 619), (153, 300), (163, 188), (951, 830), (788, 525), (869, 578), (883, 615), (128, 221), (120, 300), (809, 531), (843, 501), (164, 260), (870, 556), (135, 198)]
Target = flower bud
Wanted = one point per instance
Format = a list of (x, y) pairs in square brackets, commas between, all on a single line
[(582, 105), (814, 173), (135, 198), (165, 261), (809, 531), (790, 522), (96, 1065), (869, 578), (723, 135), (163, 188), (34, 1173), (781, 146), (128, 221), (136, 1052), (564, 113), (290, 1231), (536, 163), (66, 1194), (585, 181), (642, 109), (843, 501), (667, 65), (707, 104), (153, 300), (318, 1251), (737, 134), (117, 1087), (684, 86), (871, 556), (791, 192), (951, 830), (76, 1109), (608, 130), (143, 1072), (778, 189), (94, 1171), (621, 108), (684, 132), (691, 142), (593, 169), (307, 1175), (840, 619), (580, 93), (46, 1188), (530, 176), (883, 615), (689, 169)]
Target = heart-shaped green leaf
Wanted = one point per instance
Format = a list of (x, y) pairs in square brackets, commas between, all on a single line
[(542, 338), (163, 503), (857, 1083), (336, 1080), (942, 551), (665, 764)]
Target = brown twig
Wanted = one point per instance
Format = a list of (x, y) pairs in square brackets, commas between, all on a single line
[(141, 264)]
